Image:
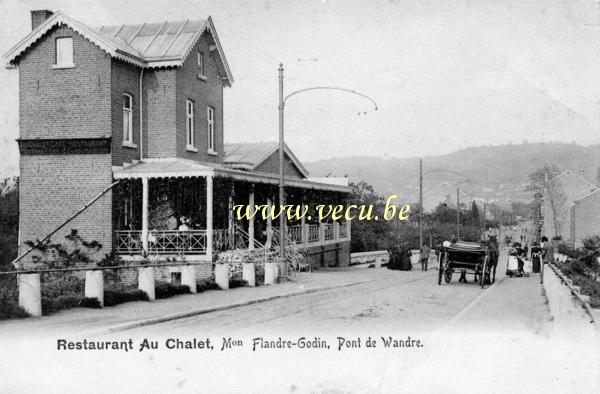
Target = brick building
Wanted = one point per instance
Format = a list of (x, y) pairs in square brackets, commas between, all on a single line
[(142, 106)]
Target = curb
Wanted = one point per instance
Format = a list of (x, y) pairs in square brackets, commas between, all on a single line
[(202, 311)]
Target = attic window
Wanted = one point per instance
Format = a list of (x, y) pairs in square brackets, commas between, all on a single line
[(64, 52), (201, 66)]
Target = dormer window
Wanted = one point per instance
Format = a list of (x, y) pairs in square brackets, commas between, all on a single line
[(64, 52), (201, 66)]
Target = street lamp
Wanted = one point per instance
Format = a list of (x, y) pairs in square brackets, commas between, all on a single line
[(282, 100), (421, 176)]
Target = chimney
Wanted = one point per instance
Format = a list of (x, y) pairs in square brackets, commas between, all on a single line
[(38, 16)]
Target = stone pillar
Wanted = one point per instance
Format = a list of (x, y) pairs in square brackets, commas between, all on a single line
[(209, 216), (270, 273), (145, 214), (30, 295), (188, 277), (222, 275), (249, 273), (336, 230), (269, 224), (94, 285), (251, 221), (146, 281)]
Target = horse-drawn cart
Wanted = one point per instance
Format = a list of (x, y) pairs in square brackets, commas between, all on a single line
[(466, 258)]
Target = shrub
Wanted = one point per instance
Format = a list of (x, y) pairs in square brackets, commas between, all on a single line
[(233, 283), (114, 297), (589, 287), (166, 290), (9, 299), (60, 291), (207, 284)]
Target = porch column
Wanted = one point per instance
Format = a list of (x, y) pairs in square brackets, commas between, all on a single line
[(145, 214), (269, 224), (209, 216), (230, 213), (336, 230), (304, 228), (251, 220)]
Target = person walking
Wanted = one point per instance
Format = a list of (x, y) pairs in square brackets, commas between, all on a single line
[(424, 256)]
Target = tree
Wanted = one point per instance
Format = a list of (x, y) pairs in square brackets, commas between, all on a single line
[(538, 178)]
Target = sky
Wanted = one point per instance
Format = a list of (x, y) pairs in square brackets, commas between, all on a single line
[(445, 74)]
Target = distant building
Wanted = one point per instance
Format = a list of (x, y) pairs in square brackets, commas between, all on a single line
[(585, 217), (562, 191)]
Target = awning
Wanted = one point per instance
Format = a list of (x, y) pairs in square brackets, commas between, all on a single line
[(181, 168)]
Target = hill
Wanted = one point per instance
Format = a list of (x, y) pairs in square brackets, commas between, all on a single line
[(493, 171)]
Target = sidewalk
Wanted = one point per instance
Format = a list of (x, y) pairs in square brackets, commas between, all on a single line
[(84, 321)]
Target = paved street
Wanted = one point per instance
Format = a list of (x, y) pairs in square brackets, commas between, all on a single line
[(459, 325)]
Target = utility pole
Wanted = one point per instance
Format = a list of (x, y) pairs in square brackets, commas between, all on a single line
[(420, 203), (457, 214), (282, 228)]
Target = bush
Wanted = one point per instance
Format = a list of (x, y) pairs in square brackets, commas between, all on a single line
[(589, 287), (61, 291), (114, 297), (207, 284), (233, 283), (9, 299), (166, 290)]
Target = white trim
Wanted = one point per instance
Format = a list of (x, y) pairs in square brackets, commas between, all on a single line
[(191, 148), (114, 47), (190, 123), (126, 144), (63, 66), (212, 152), (57, 52), (94, 37), (129, 112), (210, 128)]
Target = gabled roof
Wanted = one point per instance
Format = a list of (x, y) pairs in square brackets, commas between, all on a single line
[(249, 156), (165, 44), (576, 188)]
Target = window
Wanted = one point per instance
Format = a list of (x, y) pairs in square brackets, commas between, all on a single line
[(64, 51), (189, 125), (201, 63), (127, 119), (210, 122)]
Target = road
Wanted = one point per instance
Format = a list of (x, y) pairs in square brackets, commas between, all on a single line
[(412, 301)]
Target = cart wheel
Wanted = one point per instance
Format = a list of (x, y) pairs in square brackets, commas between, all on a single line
[(448, 275)]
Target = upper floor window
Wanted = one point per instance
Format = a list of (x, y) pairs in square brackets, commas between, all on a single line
[(127, 118), (64, 51), (210, 123), (189, 123), (201, 63)]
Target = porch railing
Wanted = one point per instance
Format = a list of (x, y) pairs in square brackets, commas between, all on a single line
[(194, 241), (162, 241), (329, 230), (313, 233), (295, 233)]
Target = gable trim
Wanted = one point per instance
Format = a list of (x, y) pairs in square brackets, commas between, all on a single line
[(303, 171)]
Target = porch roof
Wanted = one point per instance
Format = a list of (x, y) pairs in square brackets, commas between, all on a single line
[(180, 168)]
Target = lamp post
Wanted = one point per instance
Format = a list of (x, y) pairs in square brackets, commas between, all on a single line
[(421, 176), (282, 100)]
